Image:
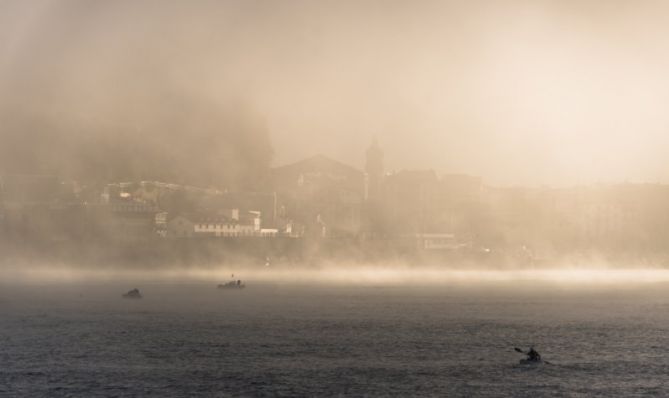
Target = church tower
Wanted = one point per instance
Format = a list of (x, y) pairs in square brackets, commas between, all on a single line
[(374, 171)]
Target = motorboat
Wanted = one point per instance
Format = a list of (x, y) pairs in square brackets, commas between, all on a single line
[(133, 294), (238, 284)]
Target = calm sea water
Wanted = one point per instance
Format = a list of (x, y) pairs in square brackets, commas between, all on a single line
[(278, 340)]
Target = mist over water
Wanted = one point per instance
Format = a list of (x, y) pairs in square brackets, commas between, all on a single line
[(343, 275)]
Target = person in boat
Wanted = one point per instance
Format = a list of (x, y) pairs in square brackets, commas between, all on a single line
[(533, 355)]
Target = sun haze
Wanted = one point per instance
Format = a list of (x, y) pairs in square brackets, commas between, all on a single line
[(518, 92)]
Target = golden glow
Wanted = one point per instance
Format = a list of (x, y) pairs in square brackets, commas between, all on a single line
[(540, 92), (351, 276)]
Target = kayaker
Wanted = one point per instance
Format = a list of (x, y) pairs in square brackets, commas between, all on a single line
[(533, 355)]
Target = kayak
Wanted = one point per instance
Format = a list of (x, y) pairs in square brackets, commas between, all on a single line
[(531, 362)]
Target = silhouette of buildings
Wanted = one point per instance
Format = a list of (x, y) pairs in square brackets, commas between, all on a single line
[(230, 225), (322, 198), (322, 194)]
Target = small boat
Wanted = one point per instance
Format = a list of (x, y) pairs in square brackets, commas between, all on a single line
[(133, 294), (232, 285)]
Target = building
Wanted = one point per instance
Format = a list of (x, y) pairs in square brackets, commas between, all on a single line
[(243, 202), (180, 227), (410, 200), (200, 225), (322, 194)]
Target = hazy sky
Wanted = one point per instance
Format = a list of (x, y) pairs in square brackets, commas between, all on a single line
[(519, 92)]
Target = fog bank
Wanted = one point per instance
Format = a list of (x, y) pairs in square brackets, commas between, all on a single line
[(343, 276)]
